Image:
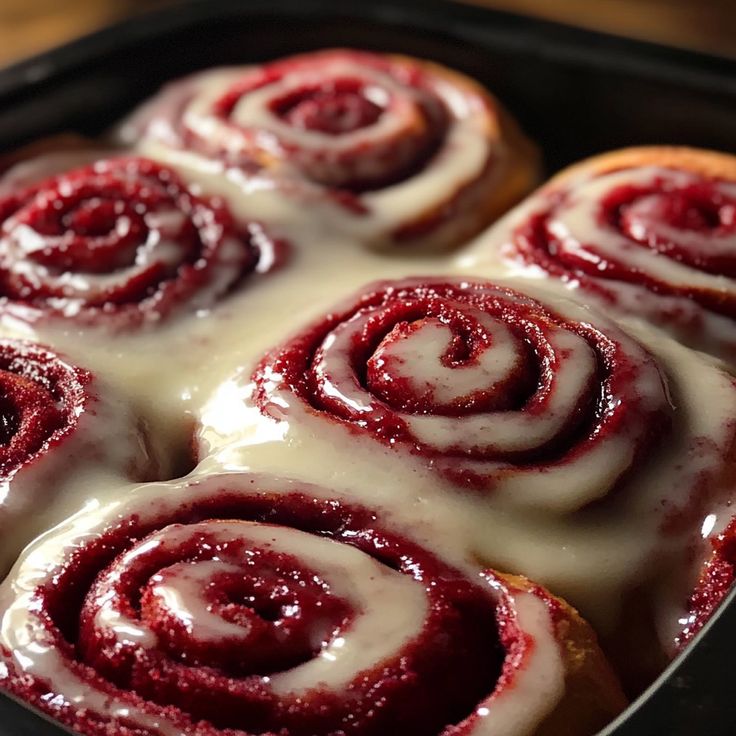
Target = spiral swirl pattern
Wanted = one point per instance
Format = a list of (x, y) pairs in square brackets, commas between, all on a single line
[(242, 607), (646, 231), (121, 240), (492, 387), (352, 121), (670, 231), (405, 149)]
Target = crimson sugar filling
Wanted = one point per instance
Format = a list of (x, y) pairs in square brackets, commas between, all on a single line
[(350, 368)]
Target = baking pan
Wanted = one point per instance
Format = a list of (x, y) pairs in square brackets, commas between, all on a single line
[(575, 92)]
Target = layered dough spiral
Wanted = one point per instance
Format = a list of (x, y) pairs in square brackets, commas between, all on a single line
[(392, 149), (539, 408), (244, 604), (118, 239), (648, 232), (57, 419)]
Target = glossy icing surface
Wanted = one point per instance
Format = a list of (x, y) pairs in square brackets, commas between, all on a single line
[(121, 240), (62, 427)]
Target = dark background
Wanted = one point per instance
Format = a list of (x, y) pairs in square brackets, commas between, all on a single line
[(30, 26)]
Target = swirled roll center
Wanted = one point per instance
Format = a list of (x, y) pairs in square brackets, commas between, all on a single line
[(491, 388), (667, 229), (102, 225), (338, 106), (694, 224), (263, 614), (247, 599), (342, 121), (426, 367)]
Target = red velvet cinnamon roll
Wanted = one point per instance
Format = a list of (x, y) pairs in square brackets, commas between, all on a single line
[(56, 424), (539, 406), (647, 232), (397, 150), (242, 604), (118, 240)]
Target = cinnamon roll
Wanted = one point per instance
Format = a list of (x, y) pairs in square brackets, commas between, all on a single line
[(502, 394), (118, 240), (648, 232), (392, 150), (244, 604)]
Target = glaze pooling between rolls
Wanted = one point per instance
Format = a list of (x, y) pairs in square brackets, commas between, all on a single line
[(58, 424)]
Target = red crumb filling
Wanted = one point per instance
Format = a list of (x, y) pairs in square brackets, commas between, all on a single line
[(340, 105), (715, 582), (700, 208), (284, 610), (396, 310), (337, 107)]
